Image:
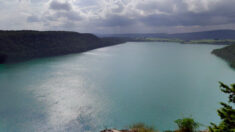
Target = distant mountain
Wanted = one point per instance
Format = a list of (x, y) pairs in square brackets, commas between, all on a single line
[(215, 34), (137, 35), (23, 45)]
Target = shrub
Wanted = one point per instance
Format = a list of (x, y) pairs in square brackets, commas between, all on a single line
[(187, 125)]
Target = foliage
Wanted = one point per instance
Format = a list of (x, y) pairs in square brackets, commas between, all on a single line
[(187, 125), (212, 41), (140, 127), (226, 113), (232, 64), (24, 45), (227, 53), (163, 40)]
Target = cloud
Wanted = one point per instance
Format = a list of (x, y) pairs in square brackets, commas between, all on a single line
[(118, 16), (33, 19), (205, 15), (115, 21), (70, 15), (56, 5)]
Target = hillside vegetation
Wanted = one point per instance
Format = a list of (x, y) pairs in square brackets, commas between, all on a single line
[(212, 35), (23, 45), (227, 53)]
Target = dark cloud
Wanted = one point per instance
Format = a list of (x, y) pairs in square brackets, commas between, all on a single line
[(166, 6), (62, 10), (116, 21), (65, 19), (61, 20), (156, 14), (56, 5), (121, 15), (221, 13)]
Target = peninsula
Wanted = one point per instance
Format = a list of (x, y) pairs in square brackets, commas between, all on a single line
[(227, 53)]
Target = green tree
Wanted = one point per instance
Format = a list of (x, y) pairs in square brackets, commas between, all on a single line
[(187, 125), (226, 113)]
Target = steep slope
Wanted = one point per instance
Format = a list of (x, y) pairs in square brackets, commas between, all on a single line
[(23, 45), (227, 53)]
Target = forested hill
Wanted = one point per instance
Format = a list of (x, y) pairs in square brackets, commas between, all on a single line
[(215, 34), (227, 53), (23, 45)]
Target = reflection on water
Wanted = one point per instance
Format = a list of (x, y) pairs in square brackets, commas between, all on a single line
[(154, 83)]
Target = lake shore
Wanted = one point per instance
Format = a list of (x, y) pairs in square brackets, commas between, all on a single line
[(18, 46), (113, 87)]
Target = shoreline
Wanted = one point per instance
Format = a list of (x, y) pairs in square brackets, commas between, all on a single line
[(20, 46), (103, 46)]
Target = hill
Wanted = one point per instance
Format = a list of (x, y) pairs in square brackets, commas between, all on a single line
[(215, 35), (227, 53), (23, 45)]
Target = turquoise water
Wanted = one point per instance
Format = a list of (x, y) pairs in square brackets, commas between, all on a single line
[(155, 83)]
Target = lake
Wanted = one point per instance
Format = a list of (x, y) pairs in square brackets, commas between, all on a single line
[(114, 87)]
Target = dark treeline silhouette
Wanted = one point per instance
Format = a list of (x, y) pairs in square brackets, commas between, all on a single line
[(227, 53), (23, 45)]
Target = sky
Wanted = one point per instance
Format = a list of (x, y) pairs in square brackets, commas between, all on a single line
[(118, 16)]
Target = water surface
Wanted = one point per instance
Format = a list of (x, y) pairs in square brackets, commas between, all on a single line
[(155, 83)]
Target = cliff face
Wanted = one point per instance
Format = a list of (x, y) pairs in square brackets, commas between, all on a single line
[(23, 45), (227, 53)]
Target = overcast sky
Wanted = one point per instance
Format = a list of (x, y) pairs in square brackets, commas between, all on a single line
[(118, 16)]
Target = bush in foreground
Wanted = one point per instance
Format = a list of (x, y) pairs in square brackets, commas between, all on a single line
[(187, 125), (226, 113)]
